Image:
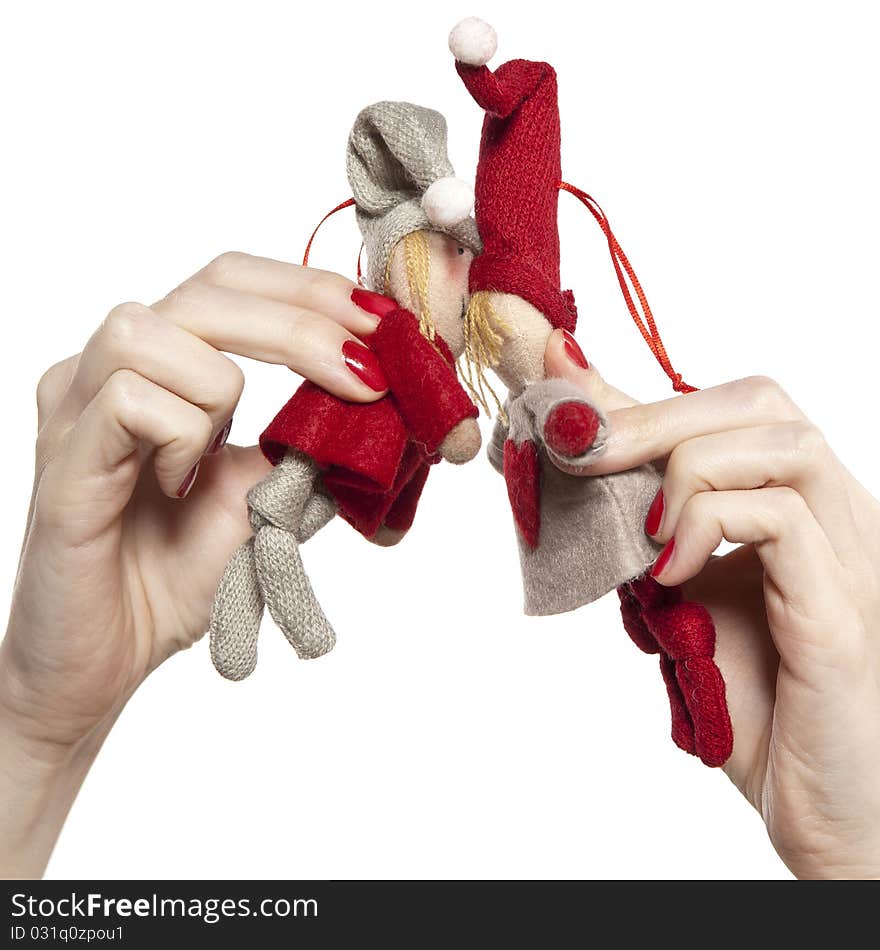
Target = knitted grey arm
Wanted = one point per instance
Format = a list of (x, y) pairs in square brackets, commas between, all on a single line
[(285, 510)]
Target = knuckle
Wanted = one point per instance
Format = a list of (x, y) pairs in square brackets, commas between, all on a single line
[(120, 390), (124, 323), (681, 464), (224, 264), (221, 390), (764, 393), (303, 333), (698, 509), (808, 443), (645, 426), (234, 383)]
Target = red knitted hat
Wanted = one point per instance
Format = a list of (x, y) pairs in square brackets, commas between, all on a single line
[(517, 186)]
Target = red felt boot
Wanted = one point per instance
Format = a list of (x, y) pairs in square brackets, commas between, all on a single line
[(659, 621)]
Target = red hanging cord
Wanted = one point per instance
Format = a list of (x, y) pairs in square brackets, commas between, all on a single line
[(340, 207), (644, 320)]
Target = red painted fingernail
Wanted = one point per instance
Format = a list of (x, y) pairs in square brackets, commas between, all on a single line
[(655, 513), (364, 364), (376, 304), (663, 560), (187, 483), (573, 351), (220, 439)]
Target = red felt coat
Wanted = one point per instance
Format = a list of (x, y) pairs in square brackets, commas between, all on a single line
[(374, 457)]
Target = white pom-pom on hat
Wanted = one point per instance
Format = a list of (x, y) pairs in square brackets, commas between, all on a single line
[(473, 42), (448, 201)]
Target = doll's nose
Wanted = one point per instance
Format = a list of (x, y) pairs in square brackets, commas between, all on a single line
[(571, 428)]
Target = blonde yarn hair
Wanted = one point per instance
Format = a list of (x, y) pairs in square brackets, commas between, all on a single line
[(484, 330), (484, 335), (417, 265)]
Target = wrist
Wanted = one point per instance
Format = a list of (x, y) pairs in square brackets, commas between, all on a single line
[(39, 780), (41, 771)]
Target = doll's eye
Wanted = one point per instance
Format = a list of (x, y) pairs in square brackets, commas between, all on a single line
[(461, 250)]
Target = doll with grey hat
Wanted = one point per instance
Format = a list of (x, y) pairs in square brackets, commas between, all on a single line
[(368, 463)]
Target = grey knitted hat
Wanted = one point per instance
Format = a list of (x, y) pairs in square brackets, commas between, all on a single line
[(403, 181)]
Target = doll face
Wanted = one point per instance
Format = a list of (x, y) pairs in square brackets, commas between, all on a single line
[(446, 288), (522, 354)]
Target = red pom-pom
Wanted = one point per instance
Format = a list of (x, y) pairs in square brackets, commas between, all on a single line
[(571, 428)]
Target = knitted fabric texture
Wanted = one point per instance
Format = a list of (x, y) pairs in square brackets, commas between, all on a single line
[(517, 186), (659, 620), (396, 151), (285, 510), (374, 457)]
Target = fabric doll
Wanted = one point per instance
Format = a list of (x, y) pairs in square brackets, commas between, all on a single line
[(367, 462), (579, 537)]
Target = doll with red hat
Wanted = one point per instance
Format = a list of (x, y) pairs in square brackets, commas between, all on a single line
[(367, 462), (579, 537)]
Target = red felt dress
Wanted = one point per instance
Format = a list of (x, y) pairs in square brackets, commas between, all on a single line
[(374, 457)]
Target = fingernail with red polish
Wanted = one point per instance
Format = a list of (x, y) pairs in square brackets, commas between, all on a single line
[(655, 513), (364, 364), (220, 439), (376, 304), (663, 560), (573, 351), (187, 483)]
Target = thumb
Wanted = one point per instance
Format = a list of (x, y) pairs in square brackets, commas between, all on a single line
[(564, 359)]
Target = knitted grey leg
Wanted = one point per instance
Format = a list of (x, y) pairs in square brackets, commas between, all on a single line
[(286, 509), (318, 510), (236, 616), (289, 595)]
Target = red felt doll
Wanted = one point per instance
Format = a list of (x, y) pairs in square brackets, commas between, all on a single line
[(366, 462), (579, 537)]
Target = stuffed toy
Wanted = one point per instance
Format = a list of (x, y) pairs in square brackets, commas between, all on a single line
[(367, 462), (579, 537)]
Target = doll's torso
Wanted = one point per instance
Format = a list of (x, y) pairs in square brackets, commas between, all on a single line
[(591, 536)]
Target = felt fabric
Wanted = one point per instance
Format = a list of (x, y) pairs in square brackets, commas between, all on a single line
[(396, 152), (517, 186), (659, 620), (591, 537), (421, 375), (522, 473), (571, 428), (400, 515), (368, 454)]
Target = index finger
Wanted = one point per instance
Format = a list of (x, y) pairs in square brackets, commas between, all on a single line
[(647, 433), (309, 288)]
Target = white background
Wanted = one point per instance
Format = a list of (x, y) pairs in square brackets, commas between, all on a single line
[(734, 148)]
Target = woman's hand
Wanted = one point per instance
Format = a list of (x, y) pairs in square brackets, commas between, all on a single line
[(138, 504), (796, 608)]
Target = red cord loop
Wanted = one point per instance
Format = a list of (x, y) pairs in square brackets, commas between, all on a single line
[(340, 207), (624, 270)]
